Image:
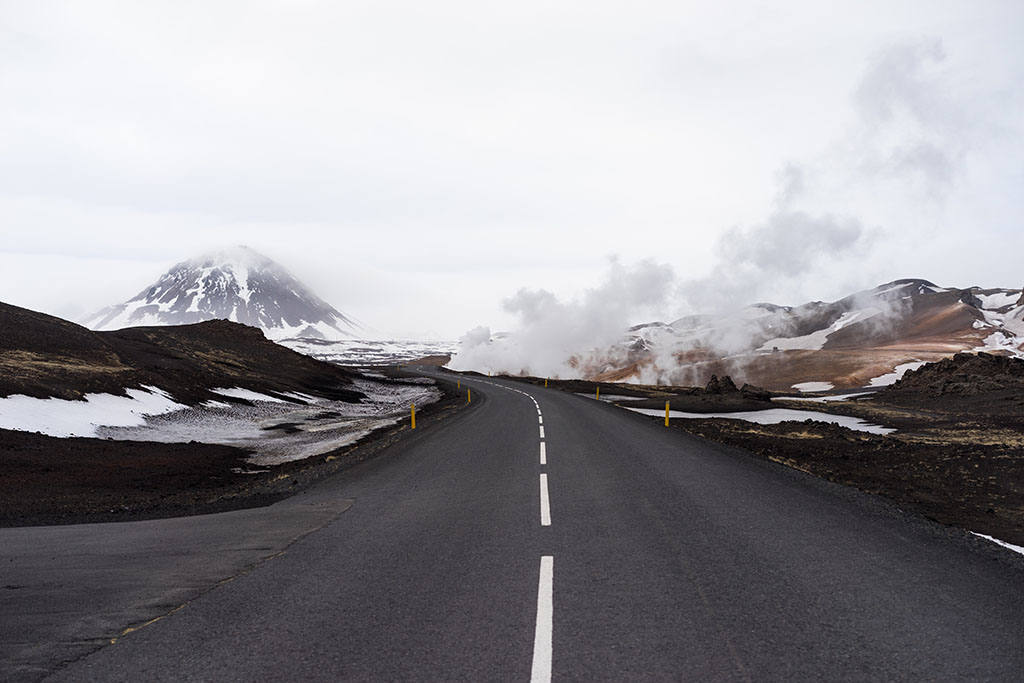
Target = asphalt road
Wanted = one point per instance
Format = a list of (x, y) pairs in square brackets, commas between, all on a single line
[(633, 552)]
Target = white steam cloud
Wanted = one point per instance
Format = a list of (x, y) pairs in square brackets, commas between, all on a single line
[(907, 130), (560, 338)]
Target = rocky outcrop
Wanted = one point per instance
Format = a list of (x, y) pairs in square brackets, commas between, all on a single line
[(755, 393), (967, 297), (720, 386), (964, 374)]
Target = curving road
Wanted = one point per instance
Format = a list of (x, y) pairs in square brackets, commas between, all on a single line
[(538, 534)]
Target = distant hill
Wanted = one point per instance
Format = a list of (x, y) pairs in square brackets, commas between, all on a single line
[(866, 339)]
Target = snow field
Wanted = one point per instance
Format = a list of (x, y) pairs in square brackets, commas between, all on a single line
[(813, 386), (275, 430), (367, 352), (59, 417), (896, 374), (774, 416)]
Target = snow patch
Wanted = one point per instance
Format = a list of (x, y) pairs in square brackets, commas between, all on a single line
[(998, 300), (609, 398), (1013, 321), (1008, 333), (215, 404), (813, 386), (277, 431), (774, 416), (299, 396), (246, 394), (816, 340), (878, 291), (825, 399), (1006, 342), (59, 417), (896, 374), (273, 429), (1010, 546)]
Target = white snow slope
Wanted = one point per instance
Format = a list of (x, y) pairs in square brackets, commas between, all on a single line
[(58, 417)]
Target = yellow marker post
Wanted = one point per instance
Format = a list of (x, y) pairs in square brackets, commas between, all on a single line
[(414, 416), (598, 394), (458, 383), (469, 396), (545, 382), (666, 413)]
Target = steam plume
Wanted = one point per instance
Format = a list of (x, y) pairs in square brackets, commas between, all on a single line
[(906, 131)]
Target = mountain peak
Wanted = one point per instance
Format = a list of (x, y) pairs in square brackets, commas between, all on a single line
[(237, 284), (907, 281), (240, 255)]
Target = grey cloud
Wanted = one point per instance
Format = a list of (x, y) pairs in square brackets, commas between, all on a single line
[(773, 256), (897, 82), (908, 130), (789, 243), (791, 184), (912, 127)]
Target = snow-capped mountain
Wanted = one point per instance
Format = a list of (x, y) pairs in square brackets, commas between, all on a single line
[(236, 284)]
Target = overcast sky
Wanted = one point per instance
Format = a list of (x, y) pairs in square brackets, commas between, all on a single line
[(418, 163)]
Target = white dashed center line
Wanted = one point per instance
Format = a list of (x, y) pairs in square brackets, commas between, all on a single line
[(542, 647), (545, 610), (545, 505)]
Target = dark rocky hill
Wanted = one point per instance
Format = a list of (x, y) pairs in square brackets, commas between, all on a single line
[(44, 356), (974, 384), (964, 374)]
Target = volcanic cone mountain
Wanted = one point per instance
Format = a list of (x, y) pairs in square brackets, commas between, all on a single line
[(238, 284)]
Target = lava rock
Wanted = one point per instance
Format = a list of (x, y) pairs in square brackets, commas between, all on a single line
[(720, 386)]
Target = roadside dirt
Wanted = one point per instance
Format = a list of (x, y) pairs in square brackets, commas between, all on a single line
[(949, 477)]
